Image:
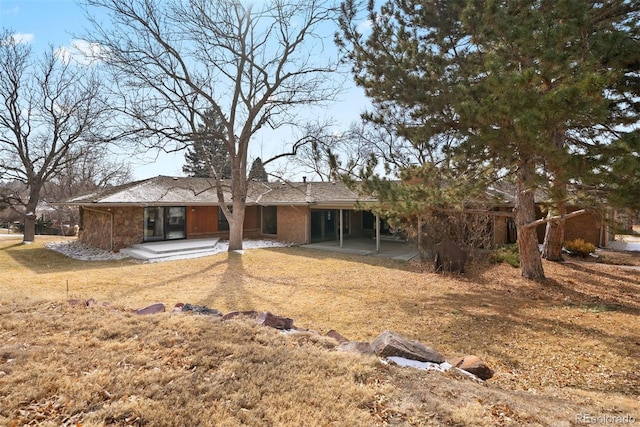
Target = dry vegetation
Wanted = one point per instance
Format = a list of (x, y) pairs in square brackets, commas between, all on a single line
[(566, 347)]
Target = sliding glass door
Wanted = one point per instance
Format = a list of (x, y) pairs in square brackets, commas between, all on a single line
[(164, 223)]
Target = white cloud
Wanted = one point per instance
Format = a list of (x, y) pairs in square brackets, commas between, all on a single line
[(365, 26), (82, 52), (22, 37), (11, 12)]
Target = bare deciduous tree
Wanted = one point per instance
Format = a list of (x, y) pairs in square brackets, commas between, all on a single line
[(175, 60), (90, 170), (51, 111)]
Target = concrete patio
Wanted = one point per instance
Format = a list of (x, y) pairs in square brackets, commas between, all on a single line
[(172, 249), (393, 249), (193, 248)]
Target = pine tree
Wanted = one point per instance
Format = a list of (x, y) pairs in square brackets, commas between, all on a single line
[(516, 83), (208, 156), (258, 172)]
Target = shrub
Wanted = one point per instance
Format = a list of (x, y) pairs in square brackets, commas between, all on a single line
[(580, 247), (508, 254)]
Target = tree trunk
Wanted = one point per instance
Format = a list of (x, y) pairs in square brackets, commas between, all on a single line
[(554, 234), (554, 230), (239, 196), (530, 261), (236, 227), (29, 227)]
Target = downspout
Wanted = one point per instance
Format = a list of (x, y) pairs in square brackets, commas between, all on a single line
[(111, 223)]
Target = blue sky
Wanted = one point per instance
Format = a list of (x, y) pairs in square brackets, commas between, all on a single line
[(55, 22)]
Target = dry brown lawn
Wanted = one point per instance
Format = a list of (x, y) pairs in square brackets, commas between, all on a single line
[(560, 349)]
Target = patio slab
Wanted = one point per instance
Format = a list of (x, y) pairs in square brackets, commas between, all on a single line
[(367, 247), (166, 250)]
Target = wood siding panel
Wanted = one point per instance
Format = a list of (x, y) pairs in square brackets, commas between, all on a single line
[(202, 220)]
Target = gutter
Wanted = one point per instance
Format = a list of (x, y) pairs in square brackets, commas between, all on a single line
[(111, 221)]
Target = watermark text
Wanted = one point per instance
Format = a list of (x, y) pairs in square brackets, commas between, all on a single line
[(604, 419)]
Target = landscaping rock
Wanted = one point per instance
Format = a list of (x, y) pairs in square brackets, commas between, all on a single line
[(336, 336), (356, 347), (201, 309), (233, 314), (390, 343), (177, 308), (151, 309), (273, 321), (475, 366)]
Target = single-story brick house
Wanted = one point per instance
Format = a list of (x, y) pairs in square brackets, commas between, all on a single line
[(170, 208)]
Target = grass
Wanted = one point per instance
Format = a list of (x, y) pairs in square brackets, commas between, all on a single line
[(560, 349)]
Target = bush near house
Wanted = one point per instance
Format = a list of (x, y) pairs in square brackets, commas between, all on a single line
[(507, 254), (579, 247)]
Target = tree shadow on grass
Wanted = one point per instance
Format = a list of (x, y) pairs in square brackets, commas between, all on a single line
[(415, 265), (230, 291), (502, 324), (173, 279), (42, 260), (628, 276)]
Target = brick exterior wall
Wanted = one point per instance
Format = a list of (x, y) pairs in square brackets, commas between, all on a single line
[(500, 233), (95, 229), (585, 227), (293, 224)]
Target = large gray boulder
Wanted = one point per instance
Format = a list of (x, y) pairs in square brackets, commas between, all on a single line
[(390, 343)]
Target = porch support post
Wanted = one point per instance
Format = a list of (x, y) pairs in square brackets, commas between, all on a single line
[(377, 233), (341, 229)]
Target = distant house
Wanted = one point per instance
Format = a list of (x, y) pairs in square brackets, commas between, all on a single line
[(169, 208)]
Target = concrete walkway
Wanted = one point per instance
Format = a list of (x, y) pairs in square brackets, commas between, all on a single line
[(625, 243)]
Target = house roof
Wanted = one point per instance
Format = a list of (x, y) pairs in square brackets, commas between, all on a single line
[(172, 191)]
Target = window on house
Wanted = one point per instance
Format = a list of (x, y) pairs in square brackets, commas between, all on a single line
[(368, 220)]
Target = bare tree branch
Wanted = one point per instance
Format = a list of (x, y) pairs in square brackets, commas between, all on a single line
[(52, 112), (174, 60)]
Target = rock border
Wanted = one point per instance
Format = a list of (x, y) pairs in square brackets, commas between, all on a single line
[(390, 346)]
